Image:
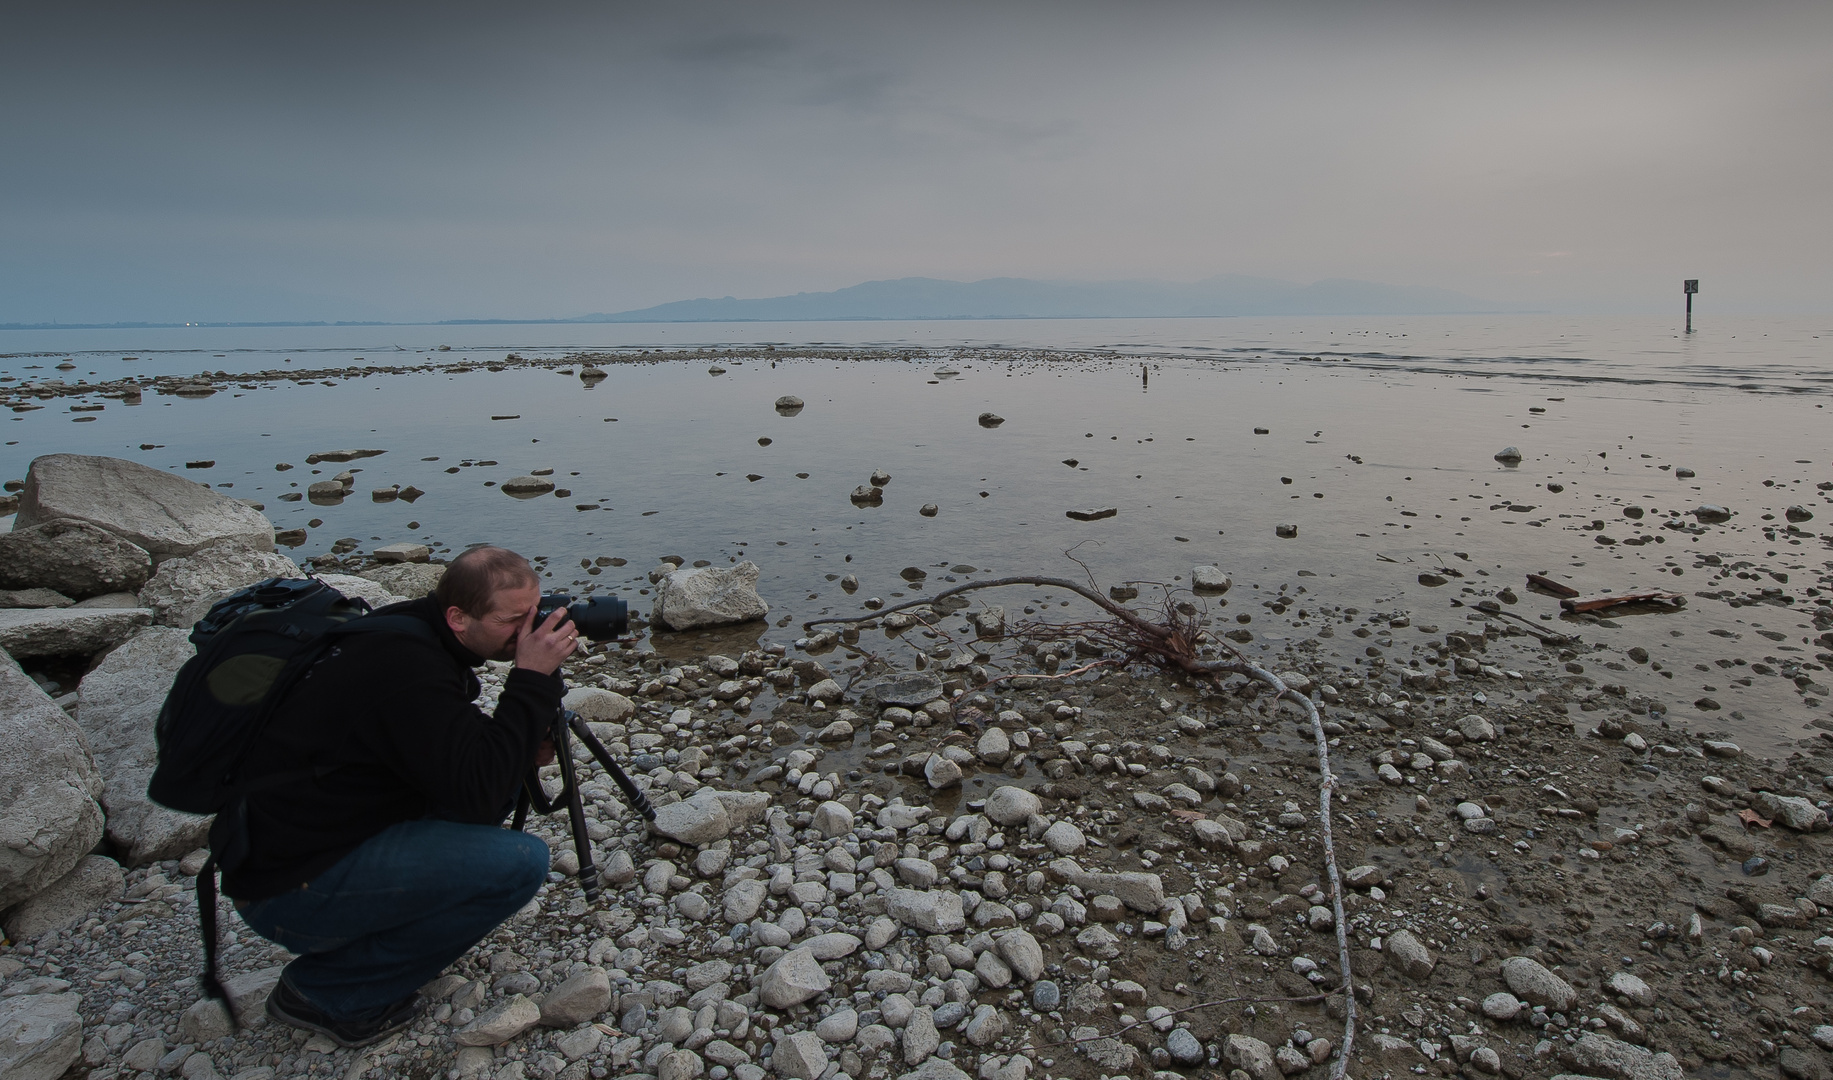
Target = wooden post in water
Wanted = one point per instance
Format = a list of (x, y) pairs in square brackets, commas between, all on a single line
[(1690, 286)]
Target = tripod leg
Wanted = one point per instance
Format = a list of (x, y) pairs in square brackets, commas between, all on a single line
[(522, 800), (576, 816), (632, 797)]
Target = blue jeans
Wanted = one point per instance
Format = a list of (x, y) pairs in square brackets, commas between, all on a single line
[(388, 917)]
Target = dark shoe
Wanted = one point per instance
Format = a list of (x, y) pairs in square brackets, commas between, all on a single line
[(290, 1007)]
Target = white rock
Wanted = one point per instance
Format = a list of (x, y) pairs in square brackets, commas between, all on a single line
[(598, 706), (1209, 579), (67, 631), (580, 998), (1407, 955), (41, 1035), (1251, 1056), (49, 786), (117, 705), (1063, 838), (833, 819), (832, 946), (181, 591), (412, 580), (795, 977), (839, 1026), (166, 515), (1476, 729), (1010, 805), (500, 1024), (799, 1057), (993, 746), (68, 900), (939, 772), (698, 819), (376, 594), (920, 1037), (933, 912), (1625, 985), (1536, 985), (1022, 953), (75, 558), (708, 596)]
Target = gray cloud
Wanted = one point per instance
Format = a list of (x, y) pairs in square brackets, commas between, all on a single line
[(407, 161)]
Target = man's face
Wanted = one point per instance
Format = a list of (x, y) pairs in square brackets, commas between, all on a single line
[(493, 636)]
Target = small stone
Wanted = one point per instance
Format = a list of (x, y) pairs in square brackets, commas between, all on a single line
[(795, 977), (1063, 838), (920, 1038), (1536, 985), (839, 1026), (1407, 955), (941, 773), (1251, 1056), (800, 1056), (1184, 1048), (1502, 1006), (502, 1023), (1010, 805), (833, 819), (1047, 995), (1630, 987)]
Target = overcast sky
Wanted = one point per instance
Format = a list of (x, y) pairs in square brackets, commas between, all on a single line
[(396, 161)]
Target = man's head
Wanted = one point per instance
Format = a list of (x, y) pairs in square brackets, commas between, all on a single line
[(486, 594)]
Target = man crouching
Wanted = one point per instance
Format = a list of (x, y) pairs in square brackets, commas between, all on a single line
[(387, 861)]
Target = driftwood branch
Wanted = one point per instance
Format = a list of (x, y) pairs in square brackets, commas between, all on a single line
[(1173, 643)]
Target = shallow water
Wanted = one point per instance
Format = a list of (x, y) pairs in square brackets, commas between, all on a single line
[(1391, 473)]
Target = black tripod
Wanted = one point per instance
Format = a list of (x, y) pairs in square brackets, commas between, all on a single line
[(534, 792)]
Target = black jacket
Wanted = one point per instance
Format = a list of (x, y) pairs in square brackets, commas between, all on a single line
[(387, 725)]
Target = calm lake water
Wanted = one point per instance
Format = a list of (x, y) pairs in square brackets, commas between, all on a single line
[(1382, 455)]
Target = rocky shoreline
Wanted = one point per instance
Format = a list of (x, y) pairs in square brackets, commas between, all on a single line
[(979, 864)]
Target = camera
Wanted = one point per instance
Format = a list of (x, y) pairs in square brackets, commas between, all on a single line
[(600, 618)]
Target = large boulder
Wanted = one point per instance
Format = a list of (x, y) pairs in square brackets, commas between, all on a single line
[(40, 1035), (165, 514), (117, 706), (411, 579), (69, 900), (68, 631), (183, 589), (49, 817), (74, 557), (708, 596), (377, 594)]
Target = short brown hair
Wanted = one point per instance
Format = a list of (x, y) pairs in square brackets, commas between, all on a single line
[(472, 581)]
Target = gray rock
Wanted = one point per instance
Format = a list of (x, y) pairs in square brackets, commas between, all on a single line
[(49, 787), (795, 977), (412, 580), (838, 1026), (935, 1068), (33, 598), (1536, 985), (363, 588), (117, 705), (801, 1056), (680, 1065), (580, 998), (500, 1024), (708, 596), (182, 590), (1630, 987), (41, 1035), (72, 631), (699, 819), (1710, 514), (933, 912), (1209, 580), (1046, 995), (68, 900), (941, 773), (1063, 838), (204, 1021), (833, 819), (994, 747), (163, 514), (110, 601), (1601, 1055), (1184, 1048), (908, 690), (527, 485), (1022, 953), (1502, 1006), (598, 706), (743, 900), (74, 558), (920, 1037), (1138, 890), (985, 1026), (1792, 811), (1508, 455), (1012, 805), (833, 945), (1407, 955), (1477, 729), (1251, 1056)]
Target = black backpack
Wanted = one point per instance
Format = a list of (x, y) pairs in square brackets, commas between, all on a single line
[(253, 647)]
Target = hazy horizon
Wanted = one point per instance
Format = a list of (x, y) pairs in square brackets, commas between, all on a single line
[(221, 163)]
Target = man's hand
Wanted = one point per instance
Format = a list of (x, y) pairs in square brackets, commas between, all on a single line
[(544, 754), (542, 647)]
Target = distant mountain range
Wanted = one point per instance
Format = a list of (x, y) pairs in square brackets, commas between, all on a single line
[(1022, 298)]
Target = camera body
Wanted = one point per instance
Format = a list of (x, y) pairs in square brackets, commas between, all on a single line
[(599, 618)]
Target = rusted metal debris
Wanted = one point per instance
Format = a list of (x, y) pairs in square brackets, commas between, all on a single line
[(1594, 603), (1557, 588)]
